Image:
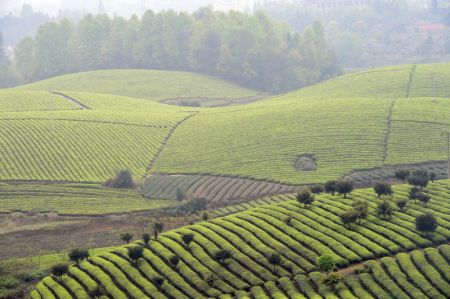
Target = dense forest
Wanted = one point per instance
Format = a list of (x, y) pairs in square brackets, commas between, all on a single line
[(253, 50)]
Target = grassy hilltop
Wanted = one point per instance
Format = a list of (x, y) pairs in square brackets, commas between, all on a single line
[(145, 84)]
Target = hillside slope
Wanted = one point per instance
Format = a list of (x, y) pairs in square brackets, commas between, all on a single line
[(146, 84), (300, 235), (357, 121)]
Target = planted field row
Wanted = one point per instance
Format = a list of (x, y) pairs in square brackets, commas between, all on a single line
[(146, 84), (215, 189), (419, 274), (431, 80), (136, 118), (14, 101), (75, 151), (299, 235), (264, 140), (73, 199)]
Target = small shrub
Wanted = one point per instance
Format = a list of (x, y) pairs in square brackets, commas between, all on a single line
[(275, 260), (174, 261), (146, 238), (181, 194), (9, 282), (331, 280), (122, 179), (326, 263), (222, 256), (158, 227), (423, 198), (349, 218), (187, 239)]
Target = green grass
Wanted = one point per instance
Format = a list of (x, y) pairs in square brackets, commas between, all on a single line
[(73, 199), (145, 84), (253, 235)]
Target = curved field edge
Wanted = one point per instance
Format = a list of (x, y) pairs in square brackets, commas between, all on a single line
[(253, 235), (146, 84)]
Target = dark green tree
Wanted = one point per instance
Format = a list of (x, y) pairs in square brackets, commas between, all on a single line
[(187, 239), (426, 223), (383, 189), (317, 189), (126, 237), (77, 255), (135, 253), (305, 197), (326, 263), (344, 188), (222, 255), (402, 174), (275, 261), (158, 227), (331, 187), (59, 270), (401, 204), (384, 209)]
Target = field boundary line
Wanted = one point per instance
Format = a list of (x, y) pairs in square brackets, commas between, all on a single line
[(421, 122), (71, 99), (411, 76), (166, 139), (388, 132), (87, 121)]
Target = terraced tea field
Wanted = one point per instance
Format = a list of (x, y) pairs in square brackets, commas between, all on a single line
[(217, 190), (253, 235), (13, 101), (343, 129), (145, 84), (72, 199)]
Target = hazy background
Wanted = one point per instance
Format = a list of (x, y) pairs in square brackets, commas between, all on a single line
[(120, 7), (271, 45)]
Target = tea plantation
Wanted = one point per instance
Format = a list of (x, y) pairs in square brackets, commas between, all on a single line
[(145, 84), (410, 267)]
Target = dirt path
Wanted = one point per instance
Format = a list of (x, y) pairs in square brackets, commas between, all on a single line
[(76, 102)]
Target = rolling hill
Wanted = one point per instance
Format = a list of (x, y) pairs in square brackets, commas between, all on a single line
[(365, 121), (145, 84), (357, 121), (299, 235)]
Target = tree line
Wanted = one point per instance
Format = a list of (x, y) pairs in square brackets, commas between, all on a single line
[(253, 50)]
